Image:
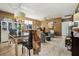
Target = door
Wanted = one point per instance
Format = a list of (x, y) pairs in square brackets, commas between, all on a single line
[(64, 28)]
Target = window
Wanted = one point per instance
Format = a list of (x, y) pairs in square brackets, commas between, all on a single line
[(28, 24)]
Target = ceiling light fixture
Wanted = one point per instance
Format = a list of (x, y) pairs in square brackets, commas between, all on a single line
[(19, 15)]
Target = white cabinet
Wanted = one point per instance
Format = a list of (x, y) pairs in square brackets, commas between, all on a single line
[(6, 24), (4, 31)]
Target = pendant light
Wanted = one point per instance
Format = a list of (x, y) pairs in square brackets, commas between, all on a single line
[(19, 15)]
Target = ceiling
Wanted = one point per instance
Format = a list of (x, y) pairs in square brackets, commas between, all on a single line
[(41, 10)]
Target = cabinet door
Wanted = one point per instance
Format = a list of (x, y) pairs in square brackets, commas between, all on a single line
[(4, 36), (4, 31), (4, 25)]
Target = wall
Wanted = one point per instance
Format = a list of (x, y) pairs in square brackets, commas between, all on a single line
[(57, 26), (44, 23), (76, 17), (36, 24)]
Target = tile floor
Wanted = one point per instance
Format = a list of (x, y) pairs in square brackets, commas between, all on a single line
[(55, 47)]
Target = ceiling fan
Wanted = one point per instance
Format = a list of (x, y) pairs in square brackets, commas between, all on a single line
[(67, 17)]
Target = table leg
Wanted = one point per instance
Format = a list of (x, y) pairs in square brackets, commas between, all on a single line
[(16, 48)]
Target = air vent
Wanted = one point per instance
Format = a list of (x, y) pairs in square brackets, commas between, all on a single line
[(67, 17)]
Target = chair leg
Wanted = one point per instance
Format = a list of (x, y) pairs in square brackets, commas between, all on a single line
[(29, 52)]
